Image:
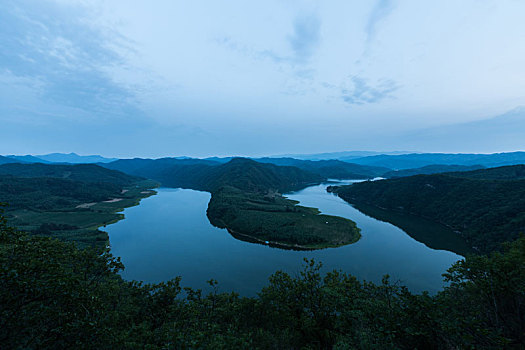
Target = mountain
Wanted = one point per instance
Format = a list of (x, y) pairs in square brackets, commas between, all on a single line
[(249, 175), (345, 155), (207, 175), (7, 160), (74, 158), (417, 160), (333, 169), (485, 206), (90, 173), (27, 159), (163, 169), (431, 169)]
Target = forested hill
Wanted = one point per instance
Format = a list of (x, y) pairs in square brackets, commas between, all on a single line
[(250, 175), (157, 169), (242, 173), (333, 169), (81, 172), (485, 206), (514, 172), (430, 169), (416, 160)]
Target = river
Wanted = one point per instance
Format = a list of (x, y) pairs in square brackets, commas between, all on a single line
[(169, 235)]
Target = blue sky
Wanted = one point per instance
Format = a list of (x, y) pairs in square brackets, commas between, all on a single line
[(159, 78)]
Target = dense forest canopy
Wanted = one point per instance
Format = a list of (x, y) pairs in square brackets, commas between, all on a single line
[(208, 175), (484, 206), (430, 169), (77, 172)]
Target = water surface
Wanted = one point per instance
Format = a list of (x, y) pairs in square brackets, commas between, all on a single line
[(169, 235)]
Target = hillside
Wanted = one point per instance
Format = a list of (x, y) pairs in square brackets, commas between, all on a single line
[(207, 175), (171, 172), (417, 160), (77, 172), (73, 158), (68, 201), (7, 160), (27, 159), (513, 172), (48, 193), (431, 169), (332, 169), (485, 206)]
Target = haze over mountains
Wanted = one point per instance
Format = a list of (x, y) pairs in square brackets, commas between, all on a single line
[(339, 165), (71, 158)]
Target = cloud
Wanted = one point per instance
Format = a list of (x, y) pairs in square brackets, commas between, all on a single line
[(305, 37), (303, 42), (362, 92), (380, 11), (70, 58)]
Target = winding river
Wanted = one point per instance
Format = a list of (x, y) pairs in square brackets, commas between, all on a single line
[(169, 235)]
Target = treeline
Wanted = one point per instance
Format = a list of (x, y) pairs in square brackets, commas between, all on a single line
[(485, 206), (74, 172), (55, 296), (47, 193)]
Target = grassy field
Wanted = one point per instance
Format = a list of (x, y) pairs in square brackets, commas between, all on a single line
[(81, 222), (279, 221)]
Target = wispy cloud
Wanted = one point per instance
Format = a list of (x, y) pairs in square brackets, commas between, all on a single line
[(380, 11), (362, 92), (306, 37), (303, 42), (67, 55)]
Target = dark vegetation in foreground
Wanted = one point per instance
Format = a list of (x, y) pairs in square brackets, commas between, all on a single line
[(56, 296), (69, 202), (486, 207)]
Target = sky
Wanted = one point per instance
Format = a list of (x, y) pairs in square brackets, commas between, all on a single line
[(155, 78)]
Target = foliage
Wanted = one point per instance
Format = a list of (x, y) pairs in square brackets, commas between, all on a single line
[(430, 169), (68, 201), (77, 172), (48, 193), (54, 295), (332, 169), (272, 218), (485, 206), (204, 175)]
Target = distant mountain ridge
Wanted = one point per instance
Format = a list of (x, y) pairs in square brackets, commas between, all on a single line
[(418, 160), (74, 158), (344, 155), (7, 160)]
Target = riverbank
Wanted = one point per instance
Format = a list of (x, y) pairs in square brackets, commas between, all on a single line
[(82, 223)]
